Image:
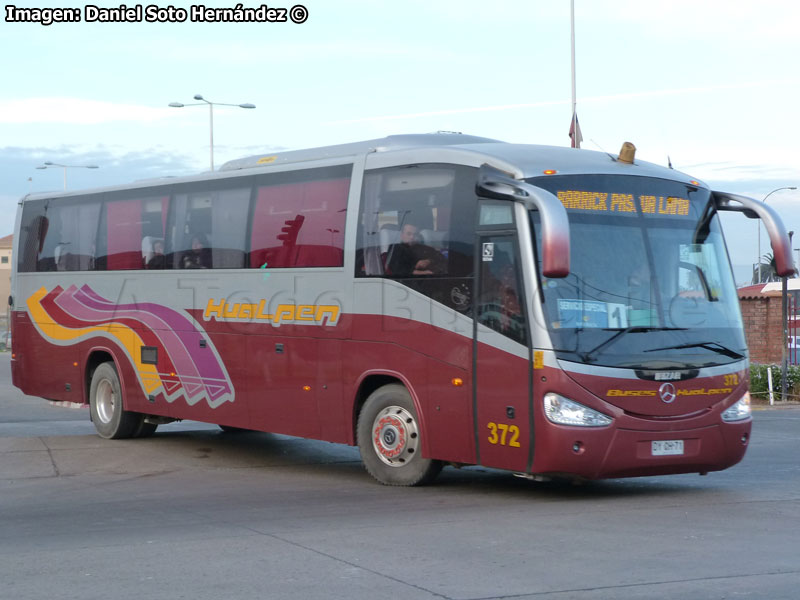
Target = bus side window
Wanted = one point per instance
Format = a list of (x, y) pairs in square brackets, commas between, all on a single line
[(67, 233), (33, 229), (500, 301), (229, 212), (124, 234), (417, 221), (299, 218), (128, 224), (208, 224)]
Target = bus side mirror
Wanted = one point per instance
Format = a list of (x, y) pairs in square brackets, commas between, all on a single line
[(781, 245), (498, 185)]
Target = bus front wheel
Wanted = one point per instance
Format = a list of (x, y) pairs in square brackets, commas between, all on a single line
[(389, 439), (105, 400)]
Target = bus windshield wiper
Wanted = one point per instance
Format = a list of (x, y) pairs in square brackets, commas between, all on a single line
[(589, 355), (713, 346)]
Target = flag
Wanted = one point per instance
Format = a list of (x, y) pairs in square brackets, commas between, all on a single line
[(575, 132)]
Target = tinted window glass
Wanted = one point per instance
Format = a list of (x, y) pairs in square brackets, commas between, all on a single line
[(154, 226), (132, 231), (208, 223), (500, 304), (66, 232), (417, 221), (124, 234), (496, 214), (299, 218), (33, 228), (649, 275)]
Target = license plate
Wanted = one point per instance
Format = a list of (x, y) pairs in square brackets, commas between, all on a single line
[(667, 447)]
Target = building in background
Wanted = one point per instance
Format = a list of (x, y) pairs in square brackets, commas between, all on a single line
[(6, 244), (761, 313)]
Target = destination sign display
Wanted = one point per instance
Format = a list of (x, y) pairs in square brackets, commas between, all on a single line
[(619, 203), (591, 314)]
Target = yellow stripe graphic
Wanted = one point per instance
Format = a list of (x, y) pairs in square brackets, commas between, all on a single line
[(125, 336)]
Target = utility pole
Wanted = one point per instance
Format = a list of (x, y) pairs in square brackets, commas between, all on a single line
[(785, 322)]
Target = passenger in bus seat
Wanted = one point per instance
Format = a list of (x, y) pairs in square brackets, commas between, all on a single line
[(158, 260), (199, 257), (410, 257)]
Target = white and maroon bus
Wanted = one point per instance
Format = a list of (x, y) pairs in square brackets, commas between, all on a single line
[(434, 299)]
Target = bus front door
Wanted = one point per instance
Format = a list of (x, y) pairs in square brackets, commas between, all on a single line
[(503, 421)]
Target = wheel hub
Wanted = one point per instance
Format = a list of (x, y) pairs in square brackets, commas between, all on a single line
[(395, 436), (105, 401)]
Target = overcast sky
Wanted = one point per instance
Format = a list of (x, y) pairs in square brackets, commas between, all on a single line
[(714, 85)]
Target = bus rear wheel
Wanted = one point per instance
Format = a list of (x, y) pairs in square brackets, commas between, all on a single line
[(110, 419), (389, 439), (144, 429)]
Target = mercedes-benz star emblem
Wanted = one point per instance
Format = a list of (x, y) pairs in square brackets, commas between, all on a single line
[(667, 392)]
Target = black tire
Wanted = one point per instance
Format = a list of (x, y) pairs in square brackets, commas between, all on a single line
[(231, 429), (389, 439), (110, 419)]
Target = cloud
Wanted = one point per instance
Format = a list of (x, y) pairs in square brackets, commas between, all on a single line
[(18, 174), (451, 111), (581, 100), (18, 164), (292, 53), (765, 174), (77, 111)]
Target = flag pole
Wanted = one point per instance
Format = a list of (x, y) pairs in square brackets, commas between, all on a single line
[(576, 142)]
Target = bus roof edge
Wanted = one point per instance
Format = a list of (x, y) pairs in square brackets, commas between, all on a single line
[(392, 142)]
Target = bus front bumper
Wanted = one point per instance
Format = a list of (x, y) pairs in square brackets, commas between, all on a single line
[(613, 452)]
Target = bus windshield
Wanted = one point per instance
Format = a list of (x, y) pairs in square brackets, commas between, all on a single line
[(650, 284)]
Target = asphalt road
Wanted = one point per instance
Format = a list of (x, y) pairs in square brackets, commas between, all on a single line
[(196, 513)]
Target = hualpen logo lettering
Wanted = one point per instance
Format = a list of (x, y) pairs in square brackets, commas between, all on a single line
[(296, 314)]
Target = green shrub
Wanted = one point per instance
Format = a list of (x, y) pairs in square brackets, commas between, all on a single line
[(759, 386)]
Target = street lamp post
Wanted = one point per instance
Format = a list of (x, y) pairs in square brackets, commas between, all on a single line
[(785, 331), (210, 115), (758, 224), (49, 165)]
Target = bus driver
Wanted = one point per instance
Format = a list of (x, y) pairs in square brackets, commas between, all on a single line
[(410, 257)]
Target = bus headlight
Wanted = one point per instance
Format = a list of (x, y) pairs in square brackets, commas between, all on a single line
[(564, 411), (739, 411)]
